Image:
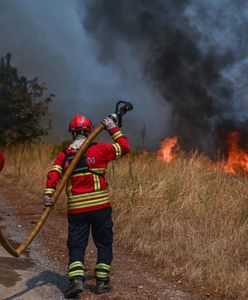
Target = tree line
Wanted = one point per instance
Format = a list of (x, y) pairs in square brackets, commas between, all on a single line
[(24, 106)]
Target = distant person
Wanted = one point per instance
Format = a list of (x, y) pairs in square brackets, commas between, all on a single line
[(89, 206), (1, 160)]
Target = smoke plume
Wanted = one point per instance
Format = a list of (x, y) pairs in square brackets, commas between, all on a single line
[(46, 39), (183, 63), (191, 53)]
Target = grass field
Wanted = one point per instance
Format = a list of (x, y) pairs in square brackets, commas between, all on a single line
[(186, 218)]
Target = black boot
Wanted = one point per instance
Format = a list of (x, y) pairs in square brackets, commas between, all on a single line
[(102, 287), (76, 286)]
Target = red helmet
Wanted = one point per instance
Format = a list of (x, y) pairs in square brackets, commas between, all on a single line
[(80, 123)]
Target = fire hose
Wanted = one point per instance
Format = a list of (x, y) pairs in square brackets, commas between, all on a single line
[(122, 107)]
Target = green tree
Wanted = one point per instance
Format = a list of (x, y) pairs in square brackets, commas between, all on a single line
[(23, 108)]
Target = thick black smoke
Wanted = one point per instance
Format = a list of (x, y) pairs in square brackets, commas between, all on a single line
[(177, 46)]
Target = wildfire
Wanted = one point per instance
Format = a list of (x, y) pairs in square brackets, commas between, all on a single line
[(166, 152), (237, 158)]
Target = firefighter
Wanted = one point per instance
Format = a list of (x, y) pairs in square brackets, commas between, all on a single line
[(1, 160), (89, 207)]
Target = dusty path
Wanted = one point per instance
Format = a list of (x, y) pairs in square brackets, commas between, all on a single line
[(30, 276), (41, 272)]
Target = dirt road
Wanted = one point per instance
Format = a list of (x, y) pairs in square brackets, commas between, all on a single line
[(41, 272), (30, 276)]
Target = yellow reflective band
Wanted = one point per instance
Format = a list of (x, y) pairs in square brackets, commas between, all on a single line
[(96, 182), (49, 191), (76, 264), (117, 150), (116, 135), (99, 275), (99, 170), (81, 174), (88, 203), (102, 273), (57, 168), (103, 266), (76, 273), (86, 196)]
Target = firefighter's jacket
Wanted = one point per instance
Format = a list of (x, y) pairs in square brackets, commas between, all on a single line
[(87, 190)]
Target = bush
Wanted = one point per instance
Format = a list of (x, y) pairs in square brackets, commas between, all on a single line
[(23, 109)]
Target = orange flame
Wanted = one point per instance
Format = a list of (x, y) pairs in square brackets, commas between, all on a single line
[(166, 152), (237, 158)]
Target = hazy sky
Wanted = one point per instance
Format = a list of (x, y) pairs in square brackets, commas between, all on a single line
[(46, 39), (90, 68)]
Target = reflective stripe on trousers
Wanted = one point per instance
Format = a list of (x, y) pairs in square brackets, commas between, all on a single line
[(102, 271), (76, 269)]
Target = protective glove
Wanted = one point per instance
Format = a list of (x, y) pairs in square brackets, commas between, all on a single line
[(47, 201), (109, 122)]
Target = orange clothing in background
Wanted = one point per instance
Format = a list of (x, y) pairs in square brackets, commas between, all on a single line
[(1, 160)]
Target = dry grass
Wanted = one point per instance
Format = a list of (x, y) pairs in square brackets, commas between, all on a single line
[(30, 165), (184, 217)]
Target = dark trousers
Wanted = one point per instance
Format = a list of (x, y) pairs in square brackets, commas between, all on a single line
[(100, 224)]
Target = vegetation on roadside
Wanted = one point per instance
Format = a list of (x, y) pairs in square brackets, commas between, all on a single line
[(184, 217), (60, 147), (23, 106)]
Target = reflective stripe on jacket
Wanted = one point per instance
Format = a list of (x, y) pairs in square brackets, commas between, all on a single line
[(86, 190)]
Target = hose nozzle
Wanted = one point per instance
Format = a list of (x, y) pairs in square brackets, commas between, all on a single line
[(122, 107)]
